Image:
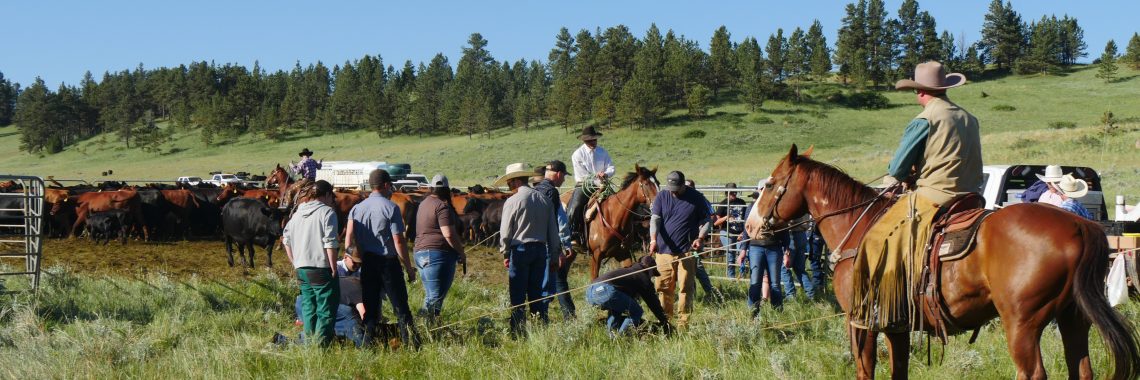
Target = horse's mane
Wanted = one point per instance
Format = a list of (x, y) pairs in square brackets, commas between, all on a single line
[(843, 189), (633, 176)]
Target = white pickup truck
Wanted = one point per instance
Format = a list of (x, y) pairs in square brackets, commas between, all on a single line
[(222, 179)]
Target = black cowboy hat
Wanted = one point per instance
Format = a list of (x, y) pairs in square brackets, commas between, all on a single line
[(589, 133), (305, 152)]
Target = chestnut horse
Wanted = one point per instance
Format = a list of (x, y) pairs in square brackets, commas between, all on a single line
[(612, 232), (1031, 264)]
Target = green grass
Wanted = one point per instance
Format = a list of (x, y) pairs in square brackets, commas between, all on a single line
[(85, 326), (738, 146)]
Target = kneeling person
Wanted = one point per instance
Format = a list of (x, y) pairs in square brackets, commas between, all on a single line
[(616, 295), (350, 311)]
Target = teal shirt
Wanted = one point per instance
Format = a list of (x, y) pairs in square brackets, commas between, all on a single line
[(911, 148)]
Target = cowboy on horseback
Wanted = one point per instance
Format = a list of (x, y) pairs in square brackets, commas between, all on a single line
[(939, 158), (592, 166), (307, 167)]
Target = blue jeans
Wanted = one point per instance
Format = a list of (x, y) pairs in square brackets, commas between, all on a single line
[(558, 282), (618, 304), (347, 323), (797, 273), (527, 277), (730, 253), (818, 261), (437, 272), (764, 258), (703, 277)]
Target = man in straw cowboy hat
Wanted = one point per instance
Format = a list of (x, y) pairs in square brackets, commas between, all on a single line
[(1069, 189), (592, 163), (529, 243), (941, 154)]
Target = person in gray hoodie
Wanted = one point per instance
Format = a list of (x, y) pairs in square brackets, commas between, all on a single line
[(310, 240)]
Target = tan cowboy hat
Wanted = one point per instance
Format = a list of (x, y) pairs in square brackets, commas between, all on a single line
[(515, 170), (1052, 174), (1072, 187), (931, 75)]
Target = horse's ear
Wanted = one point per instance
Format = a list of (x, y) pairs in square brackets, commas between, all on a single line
[(654, 171), (807, 153), (636, 168), (793, 153)]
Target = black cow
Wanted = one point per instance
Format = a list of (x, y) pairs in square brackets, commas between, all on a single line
[(154, 210), (247, 222), (107, 225), (491, 218)]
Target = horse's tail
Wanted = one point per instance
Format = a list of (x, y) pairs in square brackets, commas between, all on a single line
[(1089, 293)]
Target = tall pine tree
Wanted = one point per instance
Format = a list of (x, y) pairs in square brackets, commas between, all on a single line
[(721, 66), (1132, 53), (1107, 67)]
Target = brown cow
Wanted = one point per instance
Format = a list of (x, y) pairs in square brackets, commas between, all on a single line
[(270, 197), (182, 204), (126, 199)]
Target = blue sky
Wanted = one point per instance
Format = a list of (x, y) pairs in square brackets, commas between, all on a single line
[(60, 40)]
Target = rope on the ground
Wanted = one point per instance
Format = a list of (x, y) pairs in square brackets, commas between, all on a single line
[(552, 296), (794, 323), (487, 239)]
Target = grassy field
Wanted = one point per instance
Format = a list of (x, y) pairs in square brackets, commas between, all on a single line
[(737, 146), (176, 310), (166, 318)]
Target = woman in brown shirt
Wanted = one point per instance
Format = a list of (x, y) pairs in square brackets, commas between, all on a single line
[(439, 246)]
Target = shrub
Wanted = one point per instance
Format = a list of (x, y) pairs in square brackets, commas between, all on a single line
[(761, 119), (867, 100), (1062, 125), (694, 134), (1023, 143), (1004, 107)]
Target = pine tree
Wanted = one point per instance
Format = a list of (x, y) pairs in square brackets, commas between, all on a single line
[(776, 49), (586, 83), (474, 88), (752, 83), (1044, 52), (642, 103), (972, 64), (8, 100), (1132, 53), (1107, 66), (850, 41), (1003, 35), (820, 53), (562, 73), (909, 38), (1072, 38), (931, 48), (879, 43), (698, 100), (428, 99), (721, 64), (948, 54), (797, 61), (34, 117)]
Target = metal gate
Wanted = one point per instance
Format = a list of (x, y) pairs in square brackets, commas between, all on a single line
[(21, 228)]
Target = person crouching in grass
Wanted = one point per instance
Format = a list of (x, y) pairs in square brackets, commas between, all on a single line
[(310, 240)]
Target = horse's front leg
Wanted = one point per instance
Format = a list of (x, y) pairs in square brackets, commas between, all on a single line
[(863, 348), (898, 344)]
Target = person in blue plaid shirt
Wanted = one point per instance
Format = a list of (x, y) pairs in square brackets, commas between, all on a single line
[(307, 167)]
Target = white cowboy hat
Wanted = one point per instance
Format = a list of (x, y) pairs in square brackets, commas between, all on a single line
[(1052, 174), (515, 170), (1072, 187)]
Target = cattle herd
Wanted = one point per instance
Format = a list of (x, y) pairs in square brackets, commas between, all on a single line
[(245, 217)]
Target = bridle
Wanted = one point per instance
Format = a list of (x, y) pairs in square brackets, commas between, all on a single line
[(772, 216)]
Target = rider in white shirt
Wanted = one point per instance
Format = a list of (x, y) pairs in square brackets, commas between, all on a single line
[(591, 163)]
